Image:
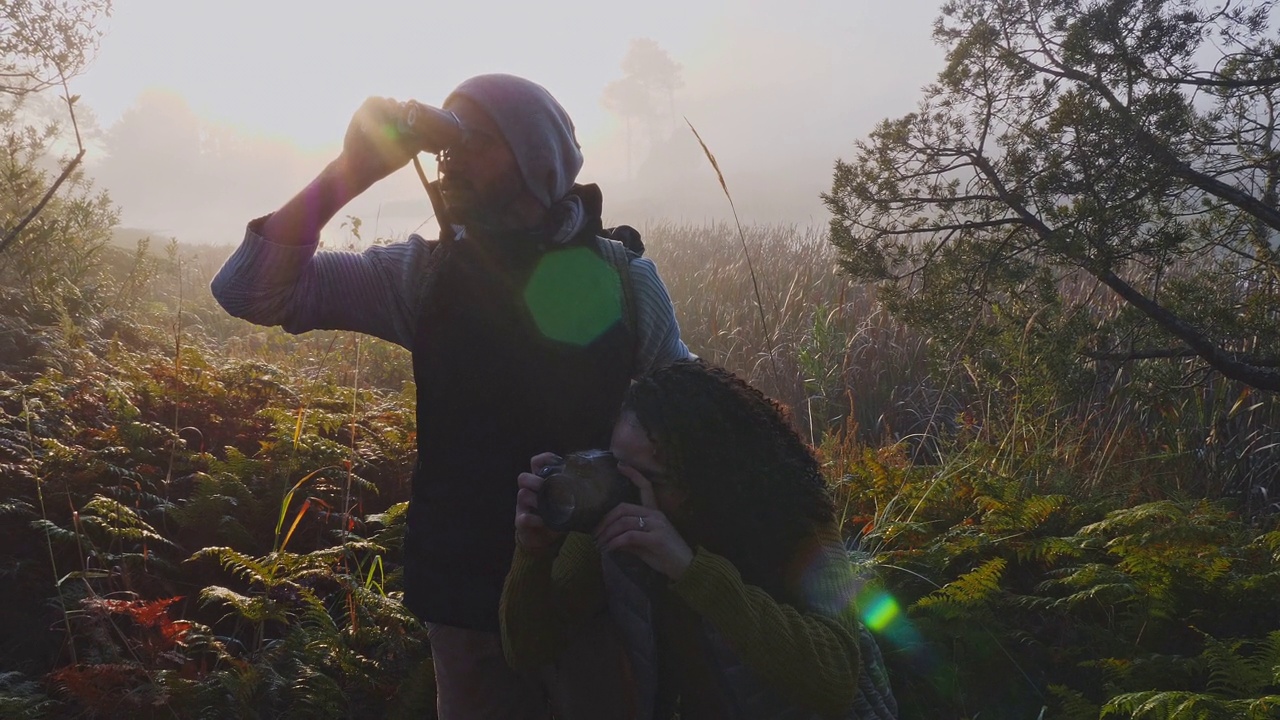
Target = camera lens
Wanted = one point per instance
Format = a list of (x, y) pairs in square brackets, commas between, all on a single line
[(557, 503), (577, 494)]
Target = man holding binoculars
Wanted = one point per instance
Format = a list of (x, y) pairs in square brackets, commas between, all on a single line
[(503, 317)]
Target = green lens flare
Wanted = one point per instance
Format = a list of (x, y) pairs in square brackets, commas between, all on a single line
[(880, 612), (574, 296)]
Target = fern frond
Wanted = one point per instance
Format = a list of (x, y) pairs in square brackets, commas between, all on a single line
[(1232, 674), (1037, 509), (314, 696), (315, 618), (119, 522), (59, 534), (1269, 657), (1271, 541), (380, 605), (399, 513), (1092, 581), (199, 640), (16, 508), (1052, 549), (1263, 708), (1137, 517), (237, 563), (1072, 705), (1147, 705), (254, 609), (974, 588)]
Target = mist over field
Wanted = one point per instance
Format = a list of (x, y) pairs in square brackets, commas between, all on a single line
[(777, 96)]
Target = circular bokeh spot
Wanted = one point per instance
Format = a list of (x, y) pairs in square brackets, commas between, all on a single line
[(574, 296)]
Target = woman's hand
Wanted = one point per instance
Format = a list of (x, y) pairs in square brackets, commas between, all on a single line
[(644, 531), (531, 533)]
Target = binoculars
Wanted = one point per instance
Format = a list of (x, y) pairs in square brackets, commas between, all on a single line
[(431, 129)]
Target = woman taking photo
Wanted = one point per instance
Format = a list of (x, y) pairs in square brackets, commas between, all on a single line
[(728, 584)]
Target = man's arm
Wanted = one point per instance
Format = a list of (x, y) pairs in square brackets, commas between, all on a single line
[(298, 221), (294, 286), (656, 325), (277, 278), (372, 149)]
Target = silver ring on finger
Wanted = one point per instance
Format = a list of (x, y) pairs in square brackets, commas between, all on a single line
[(641, 519)]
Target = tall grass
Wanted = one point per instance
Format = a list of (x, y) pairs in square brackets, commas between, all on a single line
[(841, 360), (831, 352)]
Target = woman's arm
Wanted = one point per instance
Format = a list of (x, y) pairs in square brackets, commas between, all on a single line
[(810, 657), (545, 596)]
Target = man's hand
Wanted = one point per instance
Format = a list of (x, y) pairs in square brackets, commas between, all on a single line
[(372, 150), (531, 533), (373, 147)]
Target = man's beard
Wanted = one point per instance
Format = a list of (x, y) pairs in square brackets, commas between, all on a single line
[(480, 212)]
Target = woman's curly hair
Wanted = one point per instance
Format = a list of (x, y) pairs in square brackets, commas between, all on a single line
[(755, 492)]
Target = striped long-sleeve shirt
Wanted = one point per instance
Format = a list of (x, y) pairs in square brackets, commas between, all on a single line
[(377, 292)]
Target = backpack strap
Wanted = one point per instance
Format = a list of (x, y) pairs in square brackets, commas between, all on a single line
[(443, 219), (617, 255), (618, 246)]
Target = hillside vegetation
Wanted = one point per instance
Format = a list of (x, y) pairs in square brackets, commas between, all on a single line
[(202, 517)]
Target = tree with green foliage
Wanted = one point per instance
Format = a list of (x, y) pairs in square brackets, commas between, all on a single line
[(44, 43), (1087, 181)]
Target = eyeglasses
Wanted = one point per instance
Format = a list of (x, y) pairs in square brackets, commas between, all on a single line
[(476, 143)]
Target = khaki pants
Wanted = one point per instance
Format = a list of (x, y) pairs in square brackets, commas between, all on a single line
[(590, 681)]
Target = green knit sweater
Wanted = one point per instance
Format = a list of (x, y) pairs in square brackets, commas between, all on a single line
[(810, 658)]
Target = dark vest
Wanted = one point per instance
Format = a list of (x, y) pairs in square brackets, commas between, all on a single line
[(493, 390)]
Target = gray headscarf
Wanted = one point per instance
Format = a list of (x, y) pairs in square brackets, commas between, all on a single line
[(537, 128)]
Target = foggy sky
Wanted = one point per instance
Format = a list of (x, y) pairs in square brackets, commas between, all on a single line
[(197, 139)]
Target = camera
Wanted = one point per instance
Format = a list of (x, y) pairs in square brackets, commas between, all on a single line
[(578, 492)]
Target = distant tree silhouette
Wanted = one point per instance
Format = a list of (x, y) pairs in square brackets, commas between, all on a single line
[(181, 172), (649, 82)]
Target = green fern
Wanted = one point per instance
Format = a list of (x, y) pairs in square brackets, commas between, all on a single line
[(1243, 678), (60, 535), (1181, 705), (214, 509), (1093, 583), (1072, 705), (16, 508), (118, 522), (1236, 675), (243, 566), (255, 609), (977, 588), (315, 695)]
